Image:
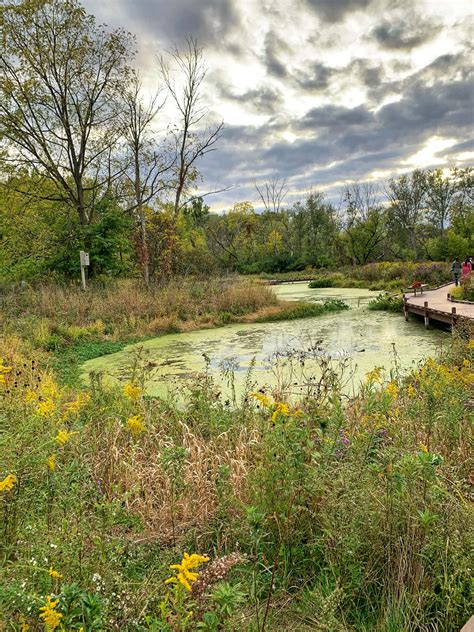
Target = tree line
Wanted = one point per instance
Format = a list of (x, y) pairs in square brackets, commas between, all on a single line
[(84, 167)]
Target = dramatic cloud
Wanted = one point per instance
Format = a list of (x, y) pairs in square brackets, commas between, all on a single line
[(320, 92)]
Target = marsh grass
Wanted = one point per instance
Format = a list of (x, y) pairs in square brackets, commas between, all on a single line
[(352, 514)]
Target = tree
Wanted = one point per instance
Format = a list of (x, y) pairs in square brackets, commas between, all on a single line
[(440, 192), (365, 223), (192, 140), (273, 194), (61, 77), (146, 166), (407, 202)]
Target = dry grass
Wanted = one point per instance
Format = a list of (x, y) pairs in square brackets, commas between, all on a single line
[(125, 308)]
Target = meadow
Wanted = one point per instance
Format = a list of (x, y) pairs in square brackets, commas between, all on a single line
[(124, 512)]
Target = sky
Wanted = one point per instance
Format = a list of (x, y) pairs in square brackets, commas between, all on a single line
[(320, 93)]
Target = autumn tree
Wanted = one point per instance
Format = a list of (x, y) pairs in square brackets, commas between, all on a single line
[(61, 78), (146, 164)]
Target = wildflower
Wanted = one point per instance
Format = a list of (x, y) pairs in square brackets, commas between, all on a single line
[(375, 375), (76, 405), (51, 618), (466, 363), (46, 408), (132, 391), (136, 425), (30, 396), (392, 389), (49, 388), (263, 399), (424, 448), (63, 437), (280, 409), (51, 462), (411, 390), (8, 482), (185, 575), (54, 574)]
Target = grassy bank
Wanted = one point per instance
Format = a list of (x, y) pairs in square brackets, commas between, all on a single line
[(321, 514), (373, 276), (67, 326)]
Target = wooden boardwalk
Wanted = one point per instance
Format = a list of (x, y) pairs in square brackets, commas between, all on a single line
[(434, 305)]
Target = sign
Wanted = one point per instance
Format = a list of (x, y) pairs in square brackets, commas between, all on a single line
[(84, 256)]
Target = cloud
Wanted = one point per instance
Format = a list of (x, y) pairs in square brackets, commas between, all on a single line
[(264, 99), (336, 10), (404, 33), (273, 46)]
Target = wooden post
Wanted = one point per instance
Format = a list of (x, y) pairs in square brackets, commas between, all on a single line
[(453, 316), (84, 259), (449, 296), (405, 308), (427, 318)]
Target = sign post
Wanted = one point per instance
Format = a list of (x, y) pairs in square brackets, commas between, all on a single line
[(84, 257)]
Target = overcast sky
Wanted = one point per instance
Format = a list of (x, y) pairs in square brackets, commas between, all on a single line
[(320, 92)]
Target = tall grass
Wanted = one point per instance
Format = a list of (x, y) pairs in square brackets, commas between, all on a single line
[(321, 514)]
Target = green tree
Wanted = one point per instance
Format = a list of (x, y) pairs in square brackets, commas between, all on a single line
[(61, 79)]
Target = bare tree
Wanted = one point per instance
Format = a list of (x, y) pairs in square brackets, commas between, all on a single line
[(273, 194), (60, 82), (146, 165), (192, 138)]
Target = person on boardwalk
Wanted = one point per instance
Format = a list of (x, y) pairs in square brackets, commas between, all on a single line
[(456, 270), (466, 268)]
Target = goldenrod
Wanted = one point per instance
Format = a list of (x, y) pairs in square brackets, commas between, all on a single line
[(63, 437), (132, 391), (136, 425), (51, 618), (46, 408), (51, 462), (54, 574), (8, 482), (263, 399), (185, 575)]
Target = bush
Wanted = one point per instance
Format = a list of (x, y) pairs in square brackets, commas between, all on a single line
[(387, 302)]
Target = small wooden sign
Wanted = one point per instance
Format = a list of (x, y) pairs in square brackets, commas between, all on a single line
[(84, 258)]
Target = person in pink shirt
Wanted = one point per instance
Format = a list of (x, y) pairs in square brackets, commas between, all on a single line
[(466, 268)]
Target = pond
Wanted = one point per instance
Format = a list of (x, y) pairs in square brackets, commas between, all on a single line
[(283, 354)]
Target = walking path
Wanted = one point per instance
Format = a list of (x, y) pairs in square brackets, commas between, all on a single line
[(438, 308)]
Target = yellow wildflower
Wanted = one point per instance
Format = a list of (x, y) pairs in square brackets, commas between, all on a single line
[(466, 362), (411, 390), (54, 574), (63, 437), (46, 408), (375, 375), (30, 396), (136, 425), (280, 409), (471, 344), (392, 389), (8, 482), (51, 462), (49, 388), (132, 391), (184, 574), (51, 618), (4, 369), (263, 399), (423, 448), (76, 405)]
